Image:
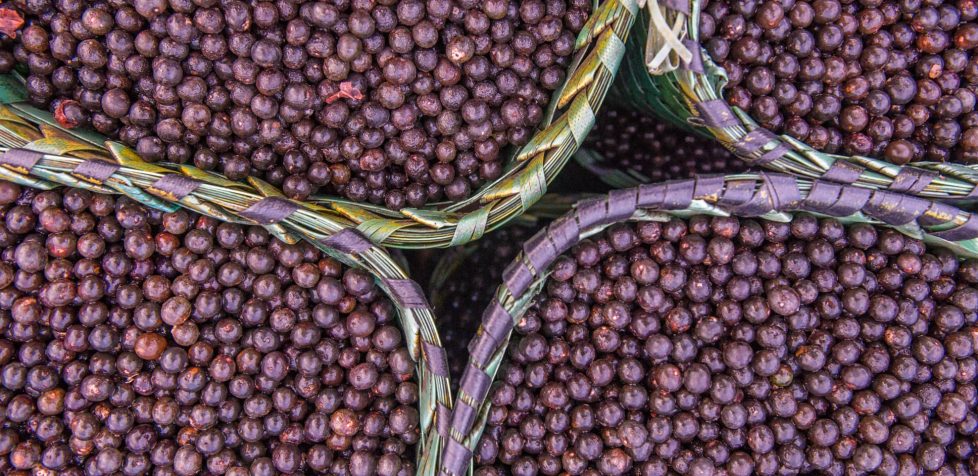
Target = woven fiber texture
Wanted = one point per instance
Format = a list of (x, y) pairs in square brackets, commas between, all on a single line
[(768, 196), (668, 73), (600, 48), (35, 154)]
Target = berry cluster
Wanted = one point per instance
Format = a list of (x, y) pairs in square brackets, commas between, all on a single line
[(391, 102), (740, 347), (883, 78), (134, 341), (628, 140)]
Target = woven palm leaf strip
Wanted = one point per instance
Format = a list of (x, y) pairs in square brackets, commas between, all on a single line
[(768, 196), (686, 88), (38, 155), (600, 48)]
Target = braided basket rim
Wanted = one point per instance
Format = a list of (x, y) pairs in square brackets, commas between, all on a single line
[(767, 196), (691, 96), (88, 168), (599, 49)]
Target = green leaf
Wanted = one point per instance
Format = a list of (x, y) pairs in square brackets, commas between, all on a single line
[(354, 212), (26, 180), (378, 231), (280, 232), (145, 198), (60, 146), (11, 90), (209, 209), (966, 248)]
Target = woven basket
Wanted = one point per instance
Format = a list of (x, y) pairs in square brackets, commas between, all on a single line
[(668, 73), (600, 47), (768, 196), (457, 323), (35, 153), (458, 298)]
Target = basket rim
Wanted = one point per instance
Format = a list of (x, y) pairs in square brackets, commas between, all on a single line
[(599, 49), (699, 85), (765, 196), (37, 155), (417, 324)]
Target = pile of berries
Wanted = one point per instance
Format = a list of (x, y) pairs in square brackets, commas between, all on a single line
[(394, 102), (629, 140), (881, 78), (732, 346), (134, 341)]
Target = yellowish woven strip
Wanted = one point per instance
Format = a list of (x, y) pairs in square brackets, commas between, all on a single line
[(662, 40)]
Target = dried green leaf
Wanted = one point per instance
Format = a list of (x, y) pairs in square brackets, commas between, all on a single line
[(45, 118), (60, 146), (264, 188), (127, 157), (211, 178), (432, 218), (354, 213), (11, 90)]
